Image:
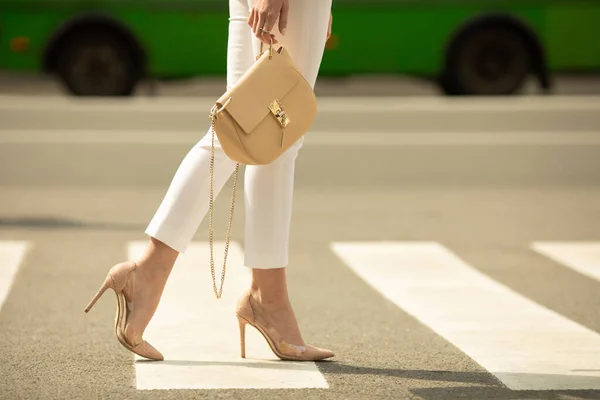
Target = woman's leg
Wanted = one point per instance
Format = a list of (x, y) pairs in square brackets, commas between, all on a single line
[(269, 188), (186, 201)]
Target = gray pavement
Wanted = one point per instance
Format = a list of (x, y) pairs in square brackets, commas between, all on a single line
[(484, 178)]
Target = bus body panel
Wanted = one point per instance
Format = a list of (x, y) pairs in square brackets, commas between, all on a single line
[(189, 38)]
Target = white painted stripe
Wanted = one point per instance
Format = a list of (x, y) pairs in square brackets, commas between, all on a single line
[(583, 257), (360, 104), (314, 138), (199, 335), (525, 345), (11, 256)]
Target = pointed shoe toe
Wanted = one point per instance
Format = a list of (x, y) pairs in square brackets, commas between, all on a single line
[(146, 350), (316, 354)]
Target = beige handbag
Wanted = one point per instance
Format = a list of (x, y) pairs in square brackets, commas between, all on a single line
[(268, 110)]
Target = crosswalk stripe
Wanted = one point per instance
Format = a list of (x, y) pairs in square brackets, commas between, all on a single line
[(525, 345), (11, 256), (583, 257), (199, 335)]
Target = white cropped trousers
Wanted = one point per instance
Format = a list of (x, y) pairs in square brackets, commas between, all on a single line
[(268, 189)]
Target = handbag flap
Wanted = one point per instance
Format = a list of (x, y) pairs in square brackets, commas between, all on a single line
[(265, 81)]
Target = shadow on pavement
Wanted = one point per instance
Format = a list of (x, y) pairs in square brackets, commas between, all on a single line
[(498, 393), (427, 375), (491, 389), (64, 223)]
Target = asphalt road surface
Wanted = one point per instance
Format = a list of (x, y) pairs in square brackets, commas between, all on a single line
[(443, 248)]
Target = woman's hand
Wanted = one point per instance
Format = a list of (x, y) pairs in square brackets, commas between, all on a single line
[(329, 29), (264, 15)]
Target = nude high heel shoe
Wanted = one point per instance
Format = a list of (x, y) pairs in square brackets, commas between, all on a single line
[(246, 315), (117, 280)]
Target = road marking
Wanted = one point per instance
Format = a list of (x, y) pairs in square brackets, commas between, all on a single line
[(326, 104), (11, 257), (582, 257), (199, 335), (525, 345), (314, 138)]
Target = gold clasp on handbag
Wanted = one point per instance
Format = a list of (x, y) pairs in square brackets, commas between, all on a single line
[(280, 115), (279, 112)]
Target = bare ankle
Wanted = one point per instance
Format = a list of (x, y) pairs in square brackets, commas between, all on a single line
[(269, 298), (269, 286), (157, 261), (154, 272)]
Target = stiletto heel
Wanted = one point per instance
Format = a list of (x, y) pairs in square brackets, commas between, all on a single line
[(117, 280), (242, 323), (99, 294), (285, 351)]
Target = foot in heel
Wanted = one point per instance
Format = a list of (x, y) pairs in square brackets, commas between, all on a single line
[(277, 323), (137, 300)]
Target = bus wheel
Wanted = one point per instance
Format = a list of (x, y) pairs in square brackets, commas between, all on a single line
[(97, 64), (490, 60)]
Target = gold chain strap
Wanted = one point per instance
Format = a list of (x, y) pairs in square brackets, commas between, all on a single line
[(213, 118), (219, 292)]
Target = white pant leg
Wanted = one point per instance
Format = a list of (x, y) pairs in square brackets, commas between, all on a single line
[(186, 202), (269, 188)]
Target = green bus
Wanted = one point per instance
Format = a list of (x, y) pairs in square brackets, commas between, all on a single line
[(470, 47)]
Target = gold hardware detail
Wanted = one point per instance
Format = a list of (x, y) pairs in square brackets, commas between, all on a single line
[(279, 112), (270, 50), (213, 113)]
